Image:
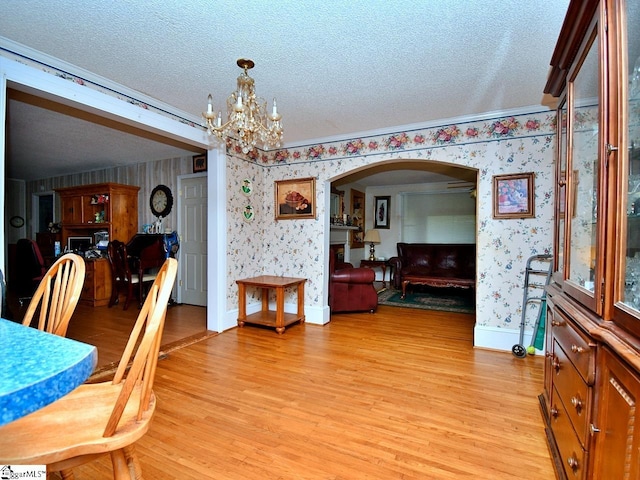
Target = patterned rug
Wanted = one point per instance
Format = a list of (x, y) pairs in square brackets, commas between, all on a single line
[(430, 299)]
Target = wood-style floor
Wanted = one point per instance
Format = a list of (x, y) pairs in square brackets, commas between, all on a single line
[(399, 394), (109, 328)]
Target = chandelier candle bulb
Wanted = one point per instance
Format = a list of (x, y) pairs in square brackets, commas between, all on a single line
[(248, 122)]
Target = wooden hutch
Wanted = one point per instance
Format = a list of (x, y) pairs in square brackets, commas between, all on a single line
[(592, 368), (88, 209)]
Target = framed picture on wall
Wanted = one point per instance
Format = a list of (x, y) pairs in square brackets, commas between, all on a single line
[(381, 212), (295, 199), (199, 163), (513, 196)]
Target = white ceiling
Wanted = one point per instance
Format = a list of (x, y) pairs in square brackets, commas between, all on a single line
[(336, 68)]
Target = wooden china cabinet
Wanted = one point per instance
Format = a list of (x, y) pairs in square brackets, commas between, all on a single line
[(101, 207), (592, 369)]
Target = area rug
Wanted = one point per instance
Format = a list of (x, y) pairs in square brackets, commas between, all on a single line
[(435, 299)]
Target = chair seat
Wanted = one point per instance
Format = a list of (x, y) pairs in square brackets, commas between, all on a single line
[(73, 426), (147, 277)]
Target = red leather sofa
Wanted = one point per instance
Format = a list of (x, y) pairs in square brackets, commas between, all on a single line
[(350, 289), (434, 264)]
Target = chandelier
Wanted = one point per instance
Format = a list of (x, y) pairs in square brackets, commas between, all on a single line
[(247, 119)]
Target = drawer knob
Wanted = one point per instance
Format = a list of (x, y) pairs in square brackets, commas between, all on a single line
[(554, 412), (593, 429), (576, 349), (572, 461), (555, 323), (555, 363), (577, 403)]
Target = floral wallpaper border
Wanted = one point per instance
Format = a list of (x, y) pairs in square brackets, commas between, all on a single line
[(505, 144)]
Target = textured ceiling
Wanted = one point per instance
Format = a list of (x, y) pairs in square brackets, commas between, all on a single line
[(336, 68)]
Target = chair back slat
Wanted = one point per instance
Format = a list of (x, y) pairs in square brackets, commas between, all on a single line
[(149, 325), (57, 295)]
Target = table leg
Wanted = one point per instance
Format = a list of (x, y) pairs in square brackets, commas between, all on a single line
[(301, 302), (384, 274), (265, 299), (280, 310), (242, 304)]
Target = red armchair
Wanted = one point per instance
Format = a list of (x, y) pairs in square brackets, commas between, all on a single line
[(350, 289)]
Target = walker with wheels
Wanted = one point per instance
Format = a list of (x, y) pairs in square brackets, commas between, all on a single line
[(535, 266)]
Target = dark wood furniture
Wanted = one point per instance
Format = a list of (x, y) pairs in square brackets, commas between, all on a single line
[(278, 318), (47, 241), (592, 372), (382, 264), (147, 253), (30, 269), (435, 265)]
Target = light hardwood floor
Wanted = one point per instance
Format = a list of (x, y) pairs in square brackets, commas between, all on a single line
[(400, 394), (109, 328)]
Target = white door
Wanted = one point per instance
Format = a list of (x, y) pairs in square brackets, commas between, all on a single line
[(193, 240)]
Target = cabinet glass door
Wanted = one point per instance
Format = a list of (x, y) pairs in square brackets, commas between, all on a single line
[(630, 243), (582, 175), (561, 193)]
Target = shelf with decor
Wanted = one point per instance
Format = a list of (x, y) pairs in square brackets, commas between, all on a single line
[(109, 207), (357, 218)]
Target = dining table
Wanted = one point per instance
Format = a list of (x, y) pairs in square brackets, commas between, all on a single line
[(37, 368)]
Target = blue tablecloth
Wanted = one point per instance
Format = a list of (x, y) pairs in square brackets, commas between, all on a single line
[(37, 368)]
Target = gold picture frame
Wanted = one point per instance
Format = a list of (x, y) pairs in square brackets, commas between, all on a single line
[(513, 196), (295, 199)]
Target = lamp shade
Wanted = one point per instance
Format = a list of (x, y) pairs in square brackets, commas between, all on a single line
[(372, 236)]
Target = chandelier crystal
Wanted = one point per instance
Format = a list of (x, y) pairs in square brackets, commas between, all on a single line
[(247, 119)]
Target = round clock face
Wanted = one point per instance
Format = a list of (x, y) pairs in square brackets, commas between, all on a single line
[(16, 221), (161, 201)]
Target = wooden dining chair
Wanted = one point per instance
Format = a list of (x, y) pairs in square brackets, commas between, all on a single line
[(99, 418), (57, 295), (124, 276)]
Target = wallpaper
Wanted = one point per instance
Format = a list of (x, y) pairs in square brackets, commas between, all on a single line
[(296, 248), (258, 244)]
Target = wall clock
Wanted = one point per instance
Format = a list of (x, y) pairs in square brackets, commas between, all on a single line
[(16, 221), (161, 201)]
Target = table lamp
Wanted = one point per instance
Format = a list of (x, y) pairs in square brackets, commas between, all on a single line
[(372, 236)]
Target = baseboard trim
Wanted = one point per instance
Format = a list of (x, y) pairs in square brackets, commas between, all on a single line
[(493, 338)]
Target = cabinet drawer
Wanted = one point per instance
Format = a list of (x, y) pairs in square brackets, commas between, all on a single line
[(576, 345), (572, 455), (574, 393)]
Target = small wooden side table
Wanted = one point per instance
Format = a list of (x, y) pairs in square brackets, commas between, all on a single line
[(378, 263), (278, 318)]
